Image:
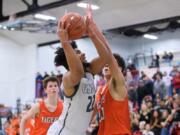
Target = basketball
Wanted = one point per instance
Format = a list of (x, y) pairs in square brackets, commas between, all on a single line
[(77, 26)]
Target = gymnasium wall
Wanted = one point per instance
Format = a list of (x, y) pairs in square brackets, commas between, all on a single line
[(168, 41), (125, 46), (46, 54), (17, 70)]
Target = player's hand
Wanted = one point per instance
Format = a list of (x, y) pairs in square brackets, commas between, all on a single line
[(90, 25), (62, 31)]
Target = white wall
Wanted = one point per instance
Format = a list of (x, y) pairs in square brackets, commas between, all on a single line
[(125, 46), (46, 54), (17, 70), (168, 41)]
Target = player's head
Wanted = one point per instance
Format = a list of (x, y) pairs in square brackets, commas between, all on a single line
[(50, 85), (106, 72), (121, 63), (60, 58)]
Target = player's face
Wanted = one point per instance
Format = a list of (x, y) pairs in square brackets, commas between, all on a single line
[(52, 88), (81, 55), (106, 71)]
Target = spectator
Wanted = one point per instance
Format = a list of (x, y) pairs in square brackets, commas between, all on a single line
[(167, 79), (140, 92), (157, 72), (171, 56), (132, 93), (174, 71), (159, 87), (148, 84), (165, 57), (155, 122), (176, 83), (145, 115), (156, 59), (147, 130)]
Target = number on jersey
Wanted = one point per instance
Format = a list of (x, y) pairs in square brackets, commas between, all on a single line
[(91, 103)]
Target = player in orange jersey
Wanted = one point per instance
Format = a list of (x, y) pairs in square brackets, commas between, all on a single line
[(112, 105), (29, 125), (46, 111)]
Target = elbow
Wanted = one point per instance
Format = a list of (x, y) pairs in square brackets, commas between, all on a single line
[(76, 77), (79, 73)]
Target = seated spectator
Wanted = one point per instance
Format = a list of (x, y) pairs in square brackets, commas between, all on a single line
[(176, 129), (145, 114), (171, 56), (155, 122), (147, 130), (165, 56)]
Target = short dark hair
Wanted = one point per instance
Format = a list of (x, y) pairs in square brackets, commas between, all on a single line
[(60, 58), (120, 61), (49, 79)]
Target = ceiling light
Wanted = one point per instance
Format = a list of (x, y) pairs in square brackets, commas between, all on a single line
[(153, 37), (0, 26), (12, 28), (85, 5), (178, 21), (4, 27), (44, 17)]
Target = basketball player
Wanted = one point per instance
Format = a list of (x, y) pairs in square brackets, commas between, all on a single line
[(78, 83), (112, 101), (46, 111)]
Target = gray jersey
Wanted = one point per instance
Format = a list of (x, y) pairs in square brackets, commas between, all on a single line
[(77, 110)]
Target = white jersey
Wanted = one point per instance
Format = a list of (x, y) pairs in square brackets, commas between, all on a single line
[(77, 110)]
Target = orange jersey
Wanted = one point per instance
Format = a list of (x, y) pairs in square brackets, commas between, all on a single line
[(29, 126), (114, 116), (45, 118), (13, 127)]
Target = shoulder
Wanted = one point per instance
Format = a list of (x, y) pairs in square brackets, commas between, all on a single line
[(37, 106)]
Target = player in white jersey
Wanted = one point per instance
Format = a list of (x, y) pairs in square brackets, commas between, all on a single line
[(79, 89)]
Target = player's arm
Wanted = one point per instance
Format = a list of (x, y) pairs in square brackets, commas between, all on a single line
[(76, 72), (118, 81), (30, 114), (117, 84), (98, 40), (106, 56)]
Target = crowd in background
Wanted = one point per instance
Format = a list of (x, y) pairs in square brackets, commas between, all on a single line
[(154, 102)]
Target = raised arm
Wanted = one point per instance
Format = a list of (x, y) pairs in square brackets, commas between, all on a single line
[(106, 57), (76, 72), (117, 84), (98, 39)]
